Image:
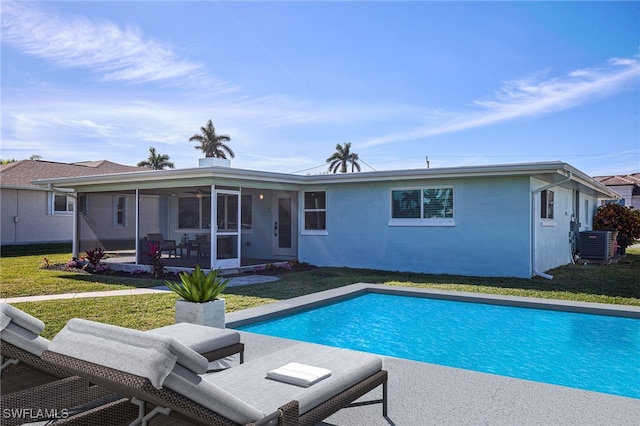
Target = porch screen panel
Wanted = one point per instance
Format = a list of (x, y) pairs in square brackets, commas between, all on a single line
[(107, 221)]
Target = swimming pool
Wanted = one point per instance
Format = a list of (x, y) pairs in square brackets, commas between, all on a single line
[(593, 352)]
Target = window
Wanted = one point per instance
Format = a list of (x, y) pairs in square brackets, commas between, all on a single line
[(315, 211), (120, 211), (246, 212), (83, 204), (422, 206), (546, 204), (586, 212), (61, 204), (194, 212)]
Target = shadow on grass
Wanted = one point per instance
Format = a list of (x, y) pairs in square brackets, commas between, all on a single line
[(34, 249), (112, 279)]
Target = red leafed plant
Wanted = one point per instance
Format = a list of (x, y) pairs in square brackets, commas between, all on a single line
[(625, 220), (95, 256), (155, 255)]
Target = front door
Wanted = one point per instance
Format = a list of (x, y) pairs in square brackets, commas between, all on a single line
[(226, 247), (285, 224)]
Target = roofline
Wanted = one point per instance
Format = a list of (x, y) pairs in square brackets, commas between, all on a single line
[(24, 187), (553, 167)]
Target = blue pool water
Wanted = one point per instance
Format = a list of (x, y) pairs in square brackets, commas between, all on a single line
[(592, 352)]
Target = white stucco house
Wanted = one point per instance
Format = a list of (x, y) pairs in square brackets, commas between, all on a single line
[(33, 214), (627, 186), (513, 220)]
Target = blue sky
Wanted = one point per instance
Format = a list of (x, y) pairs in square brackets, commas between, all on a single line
[(462, 83)]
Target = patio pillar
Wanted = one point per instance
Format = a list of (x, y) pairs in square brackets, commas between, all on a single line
[(137, 225)]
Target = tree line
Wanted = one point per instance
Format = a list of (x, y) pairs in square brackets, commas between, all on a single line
[(215, 145)]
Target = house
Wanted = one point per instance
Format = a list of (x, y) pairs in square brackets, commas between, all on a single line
[(627, 186), (34, 214), (514, 220)]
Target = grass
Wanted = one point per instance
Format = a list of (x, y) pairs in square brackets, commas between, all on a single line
[(23, 275)]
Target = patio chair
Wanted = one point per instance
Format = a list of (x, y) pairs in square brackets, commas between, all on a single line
[(165, 245), (28, 381), (21, 347), (161, 372)]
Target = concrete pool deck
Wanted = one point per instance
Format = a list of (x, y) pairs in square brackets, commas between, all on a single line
[(428, 394)]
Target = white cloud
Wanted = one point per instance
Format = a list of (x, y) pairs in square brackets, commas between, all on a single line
[(530, 97), (115, 53)]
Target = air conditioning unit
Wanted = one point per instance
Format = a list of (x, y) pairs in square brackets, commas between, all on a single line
[(596, 245)]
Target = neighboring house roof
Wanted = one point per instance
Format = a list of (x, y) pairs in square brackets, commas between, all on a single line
[(621, 180), (554, 171), (20, 174), (613, 180)]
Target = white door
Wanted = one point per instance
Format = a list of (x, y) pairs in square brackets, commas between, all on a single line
[(226, 245), (285, 224)]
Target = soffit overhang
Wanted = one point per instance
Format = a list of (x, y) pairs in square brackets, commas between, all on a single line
[(550, 172)]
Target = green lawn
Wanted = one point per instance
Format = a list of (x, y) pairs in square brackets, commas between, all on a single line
[(22, 274)]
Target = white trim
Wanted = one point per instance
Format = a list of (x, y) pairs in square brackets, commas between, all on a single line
[(52, 205), (303, 210), (116, 198), (315, 232), (548, 223), (422, 221)]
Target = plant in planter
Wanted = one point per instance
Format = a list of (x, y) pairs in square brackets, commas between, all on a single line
[(200, 303)]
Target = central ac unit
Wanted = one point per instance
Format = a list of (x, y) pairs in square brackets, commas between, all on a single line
[(596, 245)]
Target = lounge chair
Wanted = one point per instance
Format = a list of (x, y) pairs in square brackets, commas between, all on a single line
[(165, 245), (21, 347), (161, 372), (29, 382)]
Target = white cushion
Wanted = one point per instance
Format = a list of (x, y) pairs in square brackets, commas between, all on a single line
[(198, 337), (144, 354), (299, 374), (22, 319), (24, 339)]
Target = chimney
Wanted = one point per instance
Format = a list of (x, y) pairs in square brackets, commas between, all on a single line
[(212, 161)]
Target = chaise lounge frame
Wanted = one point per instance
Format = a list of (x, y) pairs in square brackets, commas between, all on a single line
[(167, 401)]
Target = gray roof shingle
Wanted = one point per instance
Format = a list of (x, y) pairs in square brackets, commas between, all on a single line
[(21, 173)]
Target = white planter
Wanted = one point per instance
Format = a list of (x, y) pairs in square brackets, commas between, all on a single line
[(208, 313)]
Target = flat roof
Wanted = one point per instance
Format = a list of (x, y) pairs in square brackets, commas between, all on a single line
[(554, 171)]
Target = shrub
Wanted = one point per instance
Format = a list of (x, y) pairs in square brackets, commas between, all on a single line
[(198, 287), (155, 255), (95, 256), (625, 220)]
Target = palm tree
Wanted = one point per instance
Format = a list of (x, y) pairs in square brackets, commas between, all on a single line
[(342, 157), (212, 144), (156, 161)]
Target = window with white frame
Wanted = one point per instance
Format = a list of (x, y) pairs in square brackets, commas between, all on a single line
[(315, 211), (194, 212), (61, 204), (422, 206), (120, 211), (546, 204)]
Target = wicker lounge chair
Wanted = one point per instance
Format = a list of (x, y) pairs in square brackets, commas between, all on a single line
[(162, 373), (29, 382), (21, 347)]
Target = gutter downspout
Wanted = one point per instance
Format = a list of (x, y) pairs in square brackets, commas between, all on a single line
[(533, 223)]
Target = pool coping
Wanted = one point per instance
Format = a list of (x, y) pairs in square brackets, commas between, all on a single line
[(424, 393), (310, 301)]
